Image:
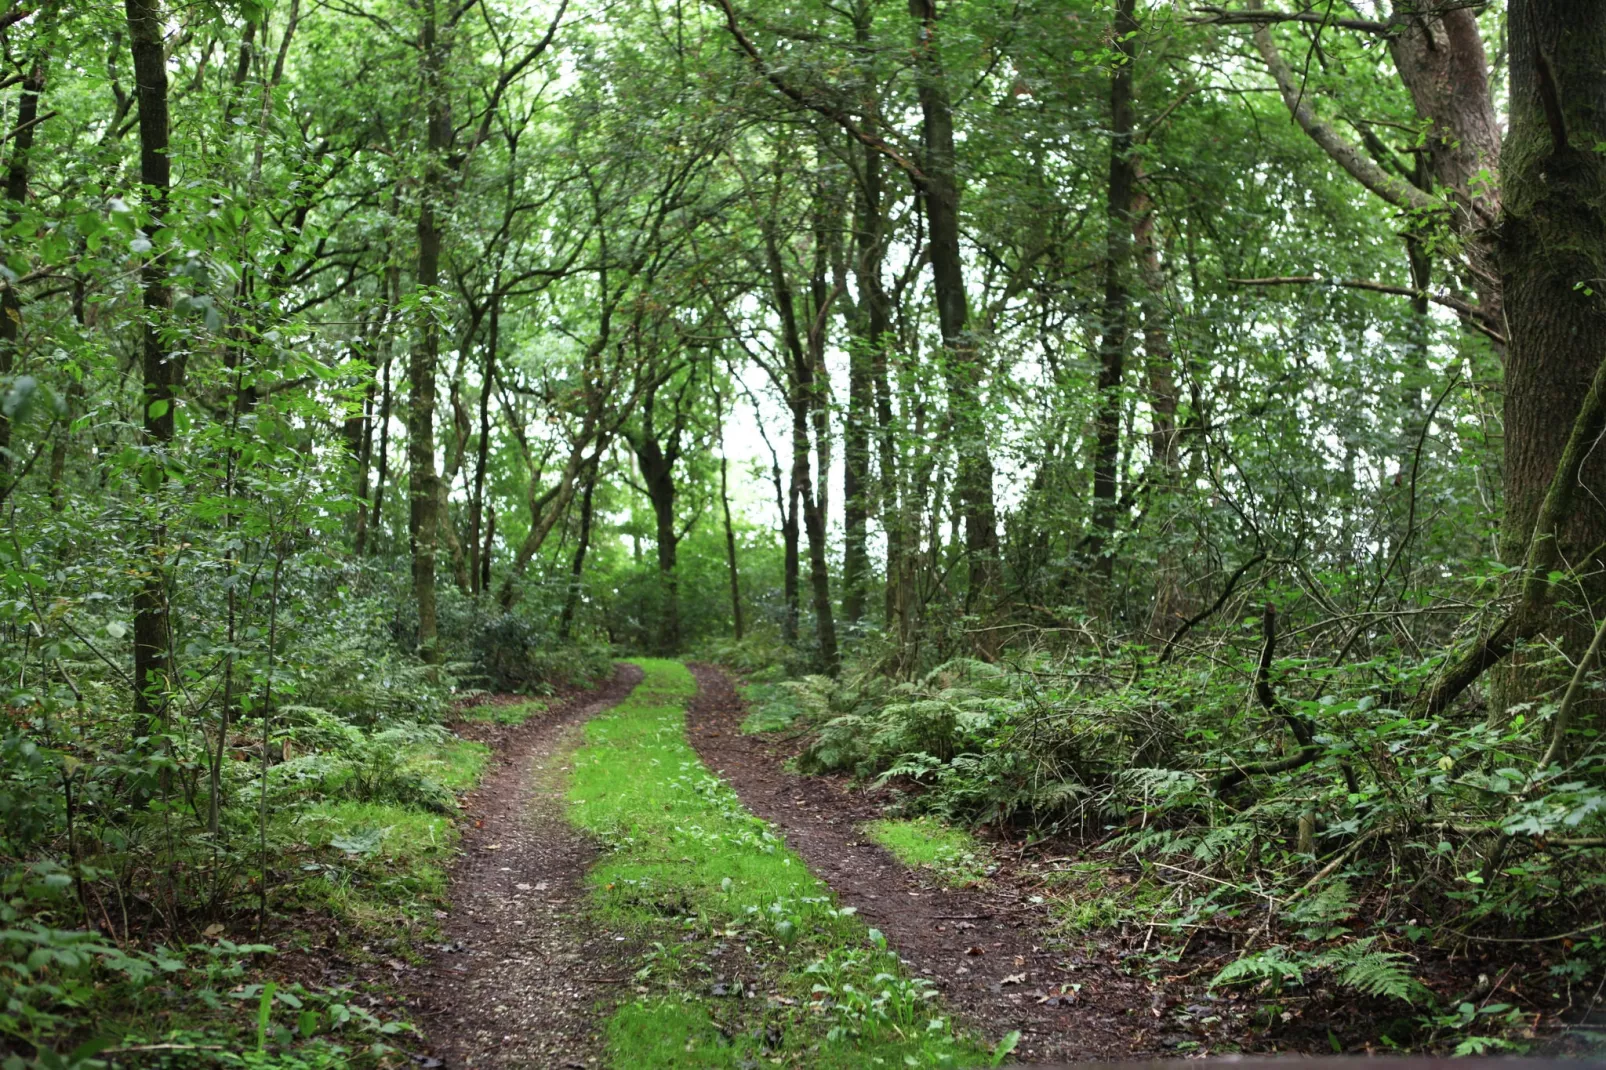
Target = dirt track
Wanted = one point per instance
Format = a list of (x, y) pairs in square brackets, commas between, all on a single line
[(520, 971)]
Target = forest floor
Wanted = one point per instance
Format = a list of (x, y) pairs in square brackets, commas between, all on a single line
[(521, 964), (540, 959)]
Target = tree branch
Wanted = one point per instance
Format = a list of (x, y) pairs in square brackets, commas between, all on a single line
[(1210, 15), (795, 95), (1474, 315), (1391, 188)]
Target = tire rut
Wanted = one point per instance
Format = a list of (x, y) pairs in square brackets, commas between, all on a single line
[(989, 950), (520, 971)]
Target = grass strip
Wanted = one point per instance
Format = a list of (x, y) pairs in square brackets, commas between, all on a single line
[(751, 960), (926, 843)]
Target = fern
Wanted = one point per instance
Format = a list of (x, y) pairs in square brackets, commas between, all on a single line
[(1272, 966), (1371, 972), (1357, 966)]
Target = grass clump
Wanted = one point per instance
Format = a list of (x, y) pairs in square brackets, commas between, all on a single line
[(455, 764), (774, 707), (510, 714), (692, 870), (926, 843), (1087, 897)]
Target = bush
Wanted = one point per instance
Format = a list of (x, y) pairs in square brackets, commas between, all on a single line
[(510, 652)]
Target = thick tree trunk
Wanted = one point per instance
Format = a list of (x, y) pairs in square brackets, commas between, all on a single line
[(16, 194), (1440, 57), (152, 662), (1552, 256), (424, 495), (963, 363), (1117, 263), (661, 493)]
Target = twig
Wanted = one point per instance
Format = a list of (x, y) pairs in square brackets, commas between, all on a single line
[(1226, 592)]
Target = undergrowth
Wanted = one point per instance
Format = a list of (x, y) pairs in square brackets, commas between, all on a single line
[(135, 936), (1398, 838)]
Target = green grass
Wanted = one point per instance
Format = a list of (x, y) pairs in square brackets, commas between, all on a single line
[(385, 862), (694, 873), (926, 843), (456, 764), (1086, 897), (511, 714), (770, 708)]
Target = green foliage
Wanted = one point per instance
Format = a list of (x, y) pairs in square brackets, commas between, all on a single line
[(1357, 965)]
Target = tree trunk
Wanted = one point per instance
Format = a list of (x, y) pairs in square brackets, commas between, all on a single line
[(383, 476), (802, 399), (814, 528), (790, 569), (152, 662), (1172, 604), (730, 540), (1440, 57), (424, 515), (866, 357), (661, 492), (485, 551), (963, 364), (476, 514), (1552, 258), (1117, 258), (16, 194), (571, 601)]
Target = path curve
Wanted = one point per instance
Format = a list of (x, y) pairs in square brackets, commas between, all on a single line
[(988, 950), (520, 968)]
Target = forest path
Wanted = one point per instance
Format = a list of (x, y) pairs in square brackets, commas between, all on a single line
[(989, 949), (520, 967)]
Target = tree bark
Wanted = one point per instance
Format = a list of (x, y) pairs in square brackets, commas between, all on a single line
[(152, 660), (476, 516), (1172, 603), (571, 601), (803, 401), (962, 361), (867, 368), (790, 568), (1117, 256), (424, 495), (382, 478), (730, 536), (1552, 255), (16, 194), (657, 474), (1440, 57)]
